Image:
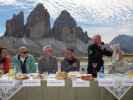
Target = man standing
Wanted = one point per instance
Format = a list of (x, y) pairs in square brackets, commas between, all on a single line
[(95, 55)]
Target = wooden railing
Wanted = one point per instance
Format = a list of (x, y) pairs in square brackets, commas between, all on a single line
[(127, 57)]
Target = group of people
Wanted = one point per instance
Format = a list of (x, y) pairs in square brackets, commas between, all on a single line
[(48, 63), (24, 62)]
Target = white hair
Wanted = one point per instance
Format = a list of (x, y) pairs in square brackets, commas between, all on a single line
[(47, 46)]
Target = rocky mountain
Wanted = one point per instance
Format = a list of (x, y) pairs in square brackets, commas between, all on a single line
[(125, 42), (15, 26), (65, 29), (38, 23), (37, 32)]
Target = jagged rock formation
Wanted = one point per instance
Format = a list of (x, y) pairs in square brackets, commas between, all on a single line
[(37, 33), (38, 23), (15, 26), (65, 29)]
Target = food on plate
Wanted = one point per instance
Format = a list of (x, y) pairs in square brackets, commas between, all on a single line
[(37, 76), (71, 75), (21, 77), (61, 75), (86, 77)]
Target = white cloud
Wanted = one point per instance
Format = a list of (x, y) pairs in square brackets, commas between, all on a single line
[(91, 12), (100, 11), (7, 2), (1, 34), (104, 12), (96, 10), (108, 33)]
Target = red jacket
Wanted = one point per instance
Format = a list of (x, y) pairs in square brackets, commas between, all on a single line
[(6, 64)]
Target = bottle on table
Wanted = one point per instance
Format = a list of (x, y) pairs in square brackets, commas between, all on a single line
[(11, 73), (59, 67), (101, 72)]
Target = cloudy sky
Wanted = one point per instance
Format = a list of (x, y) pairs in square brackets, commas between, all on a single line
[(106, 17)]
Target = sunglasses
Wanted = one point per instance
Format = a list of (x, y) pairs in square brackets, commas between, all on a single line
[(24, 52)]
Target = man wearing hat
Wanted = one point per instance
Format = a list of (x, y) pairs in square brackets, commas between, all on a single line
[(24, 62)]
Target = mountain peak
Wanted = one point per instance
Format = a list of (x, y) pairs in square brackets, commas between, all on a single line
[(38, 22), (65, 13), (65, 29), (15, 25), (125, 42), (39, 7), (65, 20)]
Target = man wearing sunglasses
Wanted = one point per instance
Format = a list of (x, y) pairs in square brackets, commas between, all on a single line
[(24, 62)]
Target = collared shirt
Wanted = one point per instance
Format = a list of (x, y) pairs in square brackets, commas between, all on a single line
[(70, 65), (47, 64)]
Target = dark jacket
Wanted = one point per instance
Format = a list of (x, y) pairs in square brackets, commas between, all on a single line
[(95, 55), (46, 64), (70, 65)]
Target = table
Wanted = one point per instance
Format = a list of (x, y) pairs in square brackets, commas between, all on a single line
[(94, 92)]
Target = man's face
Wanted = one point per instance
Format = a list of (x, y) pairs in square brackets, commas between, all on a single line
[(4, 53), (48, 52), (97, 39), (68, 54), (23, 54)]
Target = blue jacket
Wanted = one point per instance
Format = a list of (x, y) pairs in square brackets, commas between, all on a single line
[(30, 64)]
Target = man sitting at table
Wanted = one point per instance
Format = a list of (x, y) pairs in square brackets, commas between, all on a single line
[(47, 62), (23, 62), (70, 62)]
